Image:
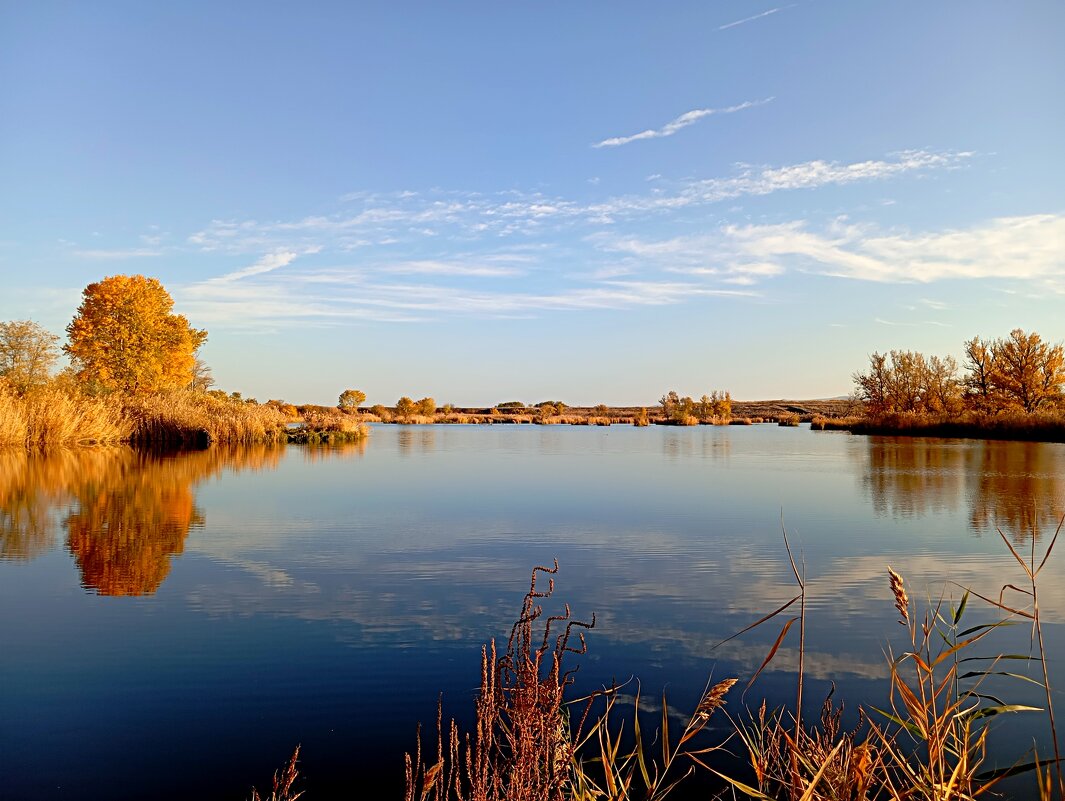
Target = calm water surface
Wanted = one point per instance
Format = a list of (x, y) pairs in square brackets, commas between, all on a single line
[(171, 626)]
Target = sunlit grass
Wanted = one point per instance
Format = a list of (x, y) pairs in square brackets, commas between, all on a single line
[(59, 415), (54, 416)]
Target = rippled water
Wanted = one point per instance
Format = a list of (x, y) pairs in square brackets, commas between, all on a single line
[(171, 626)]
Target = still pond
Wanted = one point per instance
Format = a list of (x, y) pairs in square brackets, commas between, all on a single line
[(173, 625)]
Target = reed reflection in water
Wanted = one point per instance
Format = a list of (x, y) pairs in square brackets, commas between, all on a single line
[(125, 513), (1018, 487)]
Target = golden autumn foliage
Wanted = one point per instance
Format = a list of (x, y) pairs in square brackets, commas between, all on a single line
[(351, 399), (1018, 373), (125, 337)]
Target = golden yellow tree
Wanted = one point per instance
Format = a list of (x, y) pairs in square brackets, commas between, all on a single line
[(124, 337), (351, 399), (1029, 371)]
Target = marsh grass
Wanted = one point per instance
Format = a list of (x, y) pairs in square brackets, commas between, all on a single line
[(929, 743), (821, 423), (284, 782), (1014, 425), (59, 415), (789, 419), (522, 745), (328, 425), (53, 416), (195, 419)]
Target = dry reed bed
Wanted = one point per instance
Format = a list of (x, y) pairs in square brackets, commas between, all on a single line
[(60, 416), (822, 423), (1037, 426), (52, 417)]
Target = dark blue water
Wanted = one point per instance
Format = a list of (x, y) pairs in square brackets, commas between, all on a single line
[(173, 626)]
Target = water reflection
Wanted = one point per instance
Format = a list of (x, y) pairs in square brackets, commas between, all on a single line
[(133, 517), (124, 512), (1018, 487), (416, 438), (705, 442), (32, 488)]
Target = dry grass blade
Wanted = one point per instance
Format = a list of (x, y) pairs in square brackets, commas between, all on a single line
[(1050, 547), (772, 652), (759, 621), (284, 782)]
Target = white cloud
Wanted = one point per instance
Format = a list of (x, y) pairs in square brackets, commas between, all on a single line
[(351, 294), (683, 121), (430, 267), (118, 253), (268, 263), (753, 18), (1021, 248), (406, 217), (753, 181), (1030, 248)]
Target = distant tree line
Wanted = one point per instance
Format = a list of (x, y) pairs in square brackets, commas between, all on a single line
[(1019, 372)]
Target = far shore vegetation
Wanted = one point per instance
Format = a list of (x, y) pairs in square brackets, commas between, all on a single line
[(135, 376)]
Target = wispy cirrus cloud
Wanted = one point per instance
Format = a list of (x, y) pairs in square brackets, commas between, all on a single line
[(268, 263), (101, 254), (385, 220), (745, 20), (413, 257), (339, 296), (679, 123), (1026, 248), (452, 268)]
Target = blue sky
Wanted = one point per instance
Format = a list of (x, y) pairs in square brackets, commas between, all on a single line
[(592, 202)]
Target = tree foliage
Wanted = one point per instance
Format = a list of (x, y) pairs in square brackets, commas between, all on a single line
[(351, 399), (717, 406), (1029, 372), (28, 353), (405, 408), (125, 337), (1020, 372)]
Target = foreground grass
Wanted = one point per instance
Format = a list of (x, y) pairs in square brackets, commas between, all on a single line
[(929, 742), (61, 415)]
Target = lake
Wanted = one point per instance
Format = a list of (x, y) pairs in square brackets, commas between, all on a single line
[(173, 625)]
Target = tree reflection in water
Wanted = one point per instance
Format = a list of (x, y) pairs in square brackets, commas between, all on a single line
[(1018, 487), (127, 512)]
